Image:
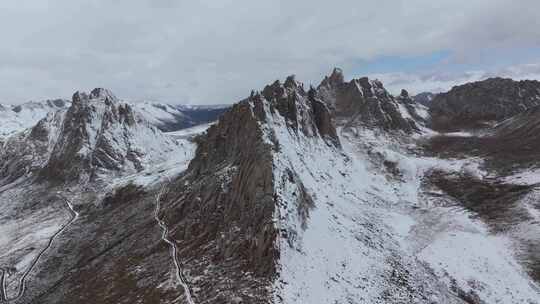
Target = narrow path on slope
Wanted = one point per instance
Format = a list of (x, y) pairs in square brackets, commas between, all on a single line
[(22, 281), (164, 236), (2, 285)]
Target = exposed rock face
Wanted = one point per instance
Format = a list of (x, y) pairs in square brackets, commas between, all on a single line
[(475, 104), (223, 208), (366, 102), (323, 118), (221, 211), (413, 108), (304, 111), (83, 143)]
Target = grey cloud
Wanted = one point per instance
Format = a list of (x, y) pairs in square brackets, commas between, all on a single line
[(217, 51), (438, 82)]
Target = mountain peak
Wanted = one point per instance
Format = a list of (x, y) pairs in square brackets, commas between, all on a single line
[(101, 93), (78, 97), (96, 94), (290, 82), (303, 111), (335, 79), (404, 93), (87, 144), (364, 101), (337, 76)]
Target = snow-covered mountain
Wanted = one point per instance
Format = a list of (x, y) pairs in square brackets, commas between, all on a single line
[(97, 134), (334, 194), (166, 117), (16, 118)]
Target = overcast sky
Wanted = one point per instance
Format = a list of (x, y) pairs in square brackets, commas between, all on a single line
[(216, 51)]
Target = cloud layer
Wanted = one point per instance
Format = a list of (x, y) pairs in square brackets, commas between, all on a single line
[(439, 82), (216, 51)]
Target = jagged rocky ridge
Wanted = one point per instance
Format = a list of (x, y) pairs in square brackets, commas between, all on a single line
[(258, 204), (223, 207), (96, 135), (367, 102)]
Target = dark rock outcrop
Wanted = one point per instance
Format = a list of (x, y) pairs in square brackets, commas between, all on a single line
[(222, 209), (303, 111), (323, 118), (478, 104), (367, 103), (411, 106)]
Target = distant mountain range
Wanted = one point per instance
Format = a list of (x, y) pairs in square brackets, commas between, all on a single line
[(167, 117)]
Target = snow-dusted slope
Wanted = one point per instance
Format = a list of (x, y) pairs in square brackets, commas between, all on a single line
[(16, 118), (352, 215), (372, 237), (38, 217), (169, 117), (371, 234)]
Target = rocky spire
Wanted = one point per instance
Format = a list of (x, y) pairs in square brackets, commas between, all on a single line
[(404, 93), (335, 79), (366, 102), (99, 134), (290, 82), (323, 118), (101, 93)]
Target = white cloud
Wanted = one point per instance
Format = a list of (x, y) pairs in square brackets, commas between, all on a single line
[(216, 51), (440, 82)]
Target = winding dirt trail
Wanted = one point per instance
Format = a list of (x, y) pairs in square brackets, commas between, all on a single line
[(164, 236), (22, 281), (2, 285)]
